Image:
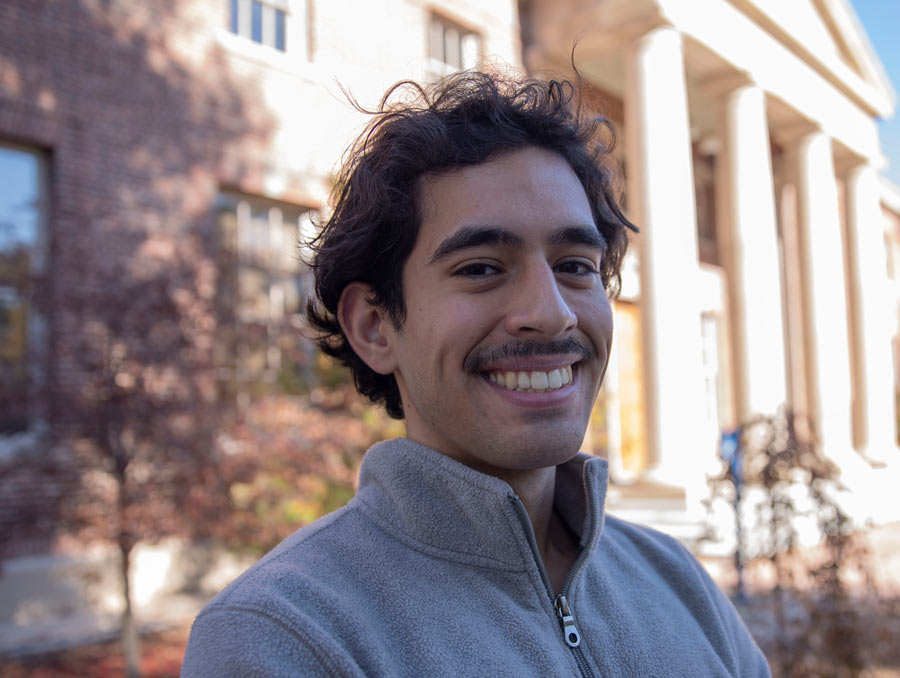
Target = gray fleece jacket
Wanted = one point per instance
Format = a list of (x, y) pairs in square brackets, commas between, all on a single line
[(432, 570)]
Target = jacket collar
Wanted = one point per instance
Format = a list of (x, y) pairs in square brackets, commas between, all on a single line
[(442, 506)]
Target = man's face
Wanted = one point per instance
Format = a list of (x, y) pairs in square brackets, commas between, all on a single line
[(508, 326)]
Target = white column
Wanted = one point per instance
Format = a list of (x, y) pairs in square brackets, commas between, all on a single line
[(871, 307), (755, 295), (661, 203), (794, 300), (822, 255)]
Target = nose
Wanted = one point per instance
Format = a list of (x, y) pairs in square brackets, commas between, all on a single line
[(538, 307)]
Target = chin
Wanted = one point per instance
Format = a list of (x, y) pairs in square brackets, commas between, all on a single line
[(534, 454)]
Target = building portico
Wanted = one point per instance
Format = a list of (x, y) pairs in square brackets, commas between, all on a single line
[(781, 100)]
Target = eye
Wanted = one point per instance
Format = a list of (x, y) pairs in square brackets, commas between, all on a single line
[(477, 269), (577, 267)]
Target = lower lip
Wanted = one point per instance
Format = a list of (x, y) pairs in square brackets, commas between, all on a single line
[(537, 399)]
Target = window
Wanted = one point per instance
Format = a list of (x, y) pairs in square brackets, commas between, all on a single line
[(451, 47), (263, 289), (22, 215), (262, 22), (705, 197)]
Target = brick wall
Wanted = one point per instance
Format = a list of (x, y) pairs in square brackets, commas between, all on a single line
[(147, 110)]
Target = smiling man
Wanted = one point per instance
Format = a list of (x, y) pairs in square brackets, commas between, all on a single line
[(464, 279)]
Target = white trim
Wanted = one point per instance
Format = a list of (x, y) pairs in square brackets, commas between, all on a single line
[(864, 86), (890, 195), (858, 43), (735, 37), (288, 62)]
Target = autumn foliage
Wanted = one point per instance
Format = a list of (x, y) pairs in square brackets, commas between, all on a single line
[(291, 459), (816, 611)]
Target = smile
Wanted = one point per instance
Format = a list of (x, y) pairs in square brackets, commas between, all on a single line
[(532, 381)]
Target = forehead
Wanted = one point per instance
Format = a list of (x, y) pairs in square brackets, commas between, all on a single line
[(531, 191)]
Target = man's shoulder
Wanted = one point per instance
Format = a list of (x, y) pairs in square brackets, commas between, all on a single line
[(316, 558), (648, 550), (266, 622), (653, 567), (618, 530)]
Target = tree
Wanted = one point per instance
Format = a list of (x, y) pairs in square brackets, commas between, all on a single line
[(141, 423), (782, 480), (128, 386)]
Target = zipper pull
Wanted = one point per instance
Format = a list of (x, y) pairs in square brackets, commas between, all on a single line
[(570, 632)]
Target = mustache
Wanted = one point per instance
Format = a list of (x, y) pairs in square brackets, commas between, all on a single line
[(479, 358)]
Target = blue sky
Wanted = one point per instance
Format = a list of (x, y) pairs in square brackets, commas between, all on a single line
[(881, 19)]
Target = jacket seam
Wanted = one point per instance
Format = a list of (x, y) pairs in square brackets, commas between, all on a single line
[(308, 642)]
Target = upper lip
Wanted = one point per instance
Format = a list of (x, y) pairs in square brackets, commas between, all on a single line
[(521, 355)]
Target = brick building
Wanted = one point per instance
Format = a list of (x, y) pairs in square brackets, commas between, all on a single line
[(185, 143), (135, 134)]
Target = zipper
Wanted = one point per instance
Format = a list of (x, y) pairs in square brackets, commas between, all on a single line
[(570, 631), (560, 603)]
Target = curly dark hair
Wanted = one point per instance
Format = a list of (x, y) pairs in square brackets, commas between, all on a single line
[(461, 120)]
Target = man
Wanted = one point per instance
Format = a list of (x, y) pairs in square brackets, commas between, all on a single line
[(463, 278)]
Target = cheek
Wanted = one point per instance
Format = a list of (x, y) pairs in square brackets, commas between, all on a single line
[(463, 322), (596, 320), (607, 320)]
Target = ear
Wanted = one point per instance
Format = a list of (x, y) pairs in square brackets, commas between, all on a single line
[(367, 327)]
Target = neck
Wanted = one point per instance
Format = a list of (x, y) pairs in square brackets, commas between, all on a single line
[(535, 489), (557, 544)]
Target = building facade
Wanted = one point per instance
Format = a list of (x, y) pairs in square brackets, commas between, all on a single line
[(184, 143), (761, 276), (134, 135)]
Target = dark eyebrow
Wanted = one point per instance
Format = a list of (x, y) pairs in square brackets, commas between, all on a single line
[(578, 235), (475, 236)]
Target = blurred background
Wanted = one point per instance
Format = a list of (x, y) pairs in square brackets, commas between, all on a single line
[(165, 420)]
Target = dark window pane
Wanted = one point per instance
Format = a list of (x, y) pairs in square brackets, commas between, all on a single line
[(256, 21), (234, 16), (279, 30), (266, 287)]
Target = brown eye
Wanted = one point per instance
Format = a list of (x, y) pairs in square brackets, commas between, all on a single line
[(576, 268), (477, 270)]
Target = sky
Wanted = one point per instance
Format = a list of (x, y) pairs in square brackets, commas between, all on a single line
[(881, 19)]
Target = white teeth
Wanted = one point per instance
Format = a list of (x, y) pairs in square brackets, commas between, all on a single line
[(534, 380), (539, 380), (554, 379)]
